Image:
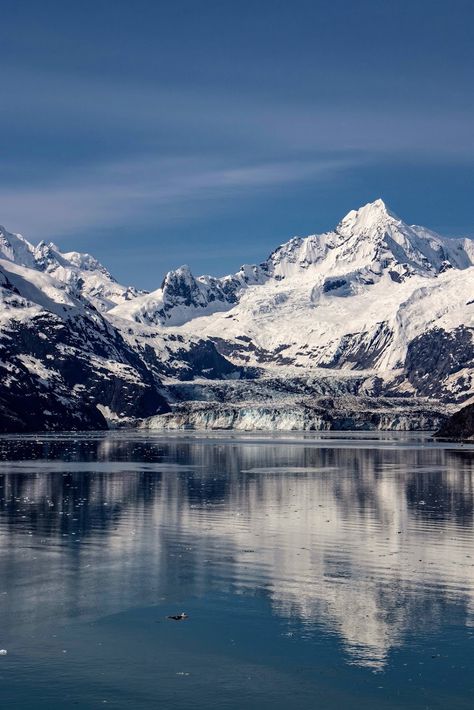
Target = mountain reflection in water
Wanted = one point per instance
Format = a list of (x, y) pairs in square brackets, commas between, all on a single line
[(368, 541)]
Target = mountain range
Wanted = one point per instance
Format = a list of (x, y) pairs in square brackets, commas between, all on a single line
[(366, 326)]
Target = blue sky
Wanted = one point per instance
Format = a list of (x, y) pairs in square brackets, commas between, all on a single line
[(159, 133)]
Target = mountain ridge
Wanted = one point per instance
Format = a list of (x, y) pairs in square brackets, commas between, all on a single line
[(359, 249), (374, 296)]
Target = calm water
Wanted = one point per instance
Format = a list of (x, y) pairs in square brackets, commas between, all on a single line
[(316, 572)]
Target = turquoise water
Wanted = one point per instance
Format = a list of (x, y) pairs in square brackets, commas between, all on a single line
[(316, 572)]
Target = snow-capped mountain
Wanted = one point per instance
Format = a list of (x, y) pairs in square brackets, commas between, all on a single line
[(371, 295), (376, 310), (84, 275), (367, 245), (183, 297), (63, 364)]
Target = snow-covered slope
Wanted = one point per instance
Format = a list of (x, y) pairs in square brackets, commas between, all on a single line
[(367, 245), (84, 275), (14, 247), (296, 322)]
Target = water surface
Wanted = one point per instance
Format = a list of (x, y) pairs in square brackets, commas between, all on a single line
[(317, 572)]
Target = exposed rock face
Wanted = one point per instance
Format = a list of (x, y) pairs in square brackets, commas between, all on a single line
[(439, 357), (62, 362), (190, 359), (28, 405), (183, 296), (460, 426), (361, 351)]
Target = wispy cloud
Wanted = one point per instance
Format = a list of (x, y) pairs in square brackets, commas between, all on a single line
[(165, 189), (77, 162)]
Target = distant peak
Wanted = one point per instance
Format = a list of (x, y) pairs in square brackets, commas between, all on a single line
[(373, 214), (183, 270), (377, 207), (11, 235), (46, 246), (378, 204), (182, 273)]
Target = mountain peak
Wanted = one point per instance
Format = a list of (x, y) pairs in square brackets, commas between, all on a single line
[(372, 215), (378, 207), (16, 248), (184, 271), (377, 204)]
